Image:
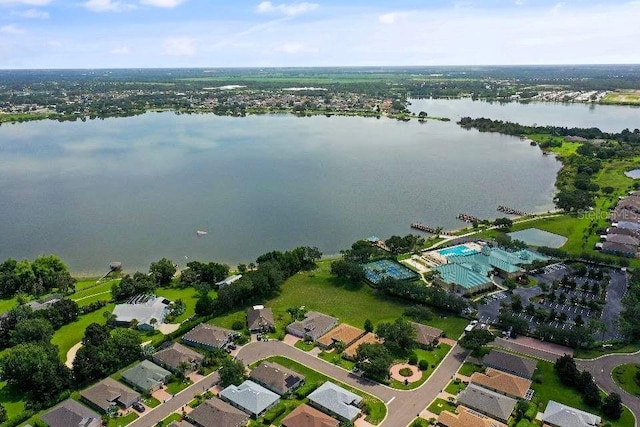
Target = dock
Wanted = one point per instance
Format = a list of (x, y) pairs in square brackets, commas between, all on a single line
[(422, 227), (510, 211), (468, 218)]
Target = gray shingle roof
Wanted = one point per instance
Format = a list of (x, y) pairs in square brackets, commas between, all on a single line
[(521, 366), (146, 375), (314, 325), (176, 354), (276, 378), (560, 415), (336, 400), (109, 392), (216, 413), (425, 334), (487, 402), (72, 414), (251, 397), (208, 336), (261, 318)]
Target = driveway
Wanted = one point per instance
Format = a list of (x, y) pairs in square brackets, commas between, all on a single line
[(402, 406)]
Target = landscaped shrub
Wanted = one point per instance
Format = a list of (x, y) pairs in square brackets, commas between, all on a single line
[(405, 372), (273, 413), (413, 359), (423, 365), (238, 325)]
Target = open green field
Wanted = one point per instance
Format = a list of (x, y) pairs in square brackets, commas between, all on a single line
[(318, 290), (566, 149), (8, 304), (377, 409), (552, 389), (71, 334), (628, 97), (628, 377)]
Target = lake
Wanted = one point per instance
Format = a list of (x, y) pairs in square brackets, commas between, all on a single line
[(137, 189), (609, 118)]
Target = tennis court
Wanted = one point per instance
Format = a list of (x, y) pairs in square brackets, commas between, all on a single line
[(377, 270)]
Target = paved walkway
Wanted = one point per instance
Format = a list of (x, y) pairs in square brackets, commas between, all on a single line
[(602, 368), (403, 406), (71, 355)]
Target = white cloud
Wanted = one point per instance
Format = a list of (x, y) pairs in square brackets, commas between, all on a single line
[(163, 3), (11, 29), (107, 6), (121, 50), (391, 18), (31, 14), (26, 2), (294, 48), (180, 46), (289, 9)]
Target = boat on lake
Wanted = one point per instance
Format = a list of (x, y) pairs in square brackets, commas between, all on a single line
[(202, 233)]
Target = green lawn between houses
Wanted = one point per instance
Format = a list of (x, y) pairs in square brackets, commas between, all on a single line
[(122, 421), (625, 377), (467, 369), (455, 387), (377, 409), (440, 405)]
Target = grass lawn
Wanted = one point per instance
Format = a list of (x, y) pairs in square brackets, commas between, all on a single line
[(96, 292), (467, 369), (599, 351), (171, 418), (440, 405), (122, 421), (7, 304), (188, 295), (71, 334), (434, 357), (552, 389), (377, 409), (177, 386), (337, 360), (151, 402), (455, 387), (304, 346), (625, 377), (12, 399)]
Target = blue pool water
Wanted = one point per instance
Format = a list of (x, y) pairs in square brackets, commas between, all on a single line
[(459, 250)]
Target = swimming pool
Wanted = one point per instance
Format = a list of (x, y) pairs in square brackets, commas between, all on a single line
[(459, 250)]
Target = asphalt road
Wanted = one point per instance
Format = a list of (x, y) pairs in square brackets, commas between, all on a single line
[(402, 406), (601, 369), (152, 417)]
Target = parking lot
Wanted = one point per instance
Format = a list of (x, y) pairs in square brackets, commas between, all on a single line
[(488, 311)]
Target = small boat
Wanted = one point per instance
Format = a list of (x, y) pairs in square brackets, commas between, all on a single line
[(202, 233)]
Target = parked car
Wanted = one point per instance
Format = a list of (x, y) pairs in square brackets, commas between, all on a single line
[(138, 407)]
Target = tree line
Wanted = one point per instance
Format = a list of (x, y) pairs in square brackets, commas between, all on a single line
[(45, 274)]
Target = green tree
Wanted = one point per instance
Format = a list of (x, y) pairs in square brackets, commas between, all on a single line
[(3, 413), (232, 372), (503, 222), (399, 336), (374, 360), (96, 335), (567, 370), (475, 339), (368, 326), (163, 271), (32, 331), (612, 406)]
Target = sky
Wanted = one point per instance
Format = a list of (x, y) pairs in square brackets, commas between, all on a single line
[(273, 33)]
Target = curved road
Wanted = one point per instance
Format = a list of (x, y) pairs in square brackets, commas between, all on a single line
[(402, 406), (602, 368)]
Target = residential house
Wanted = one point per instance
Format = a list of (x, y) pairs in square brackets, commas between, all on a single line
[(559, 415), (501, 382), (217, 413), (313, 326), (368, 338), (336, 401), (209, 337), (466, 417), (260, 319), (426, 336), (177, 356), (252, 398), (343, 333), (146, 376), (510, 363), (487, 402), (147, 310), (307, 416), (276, 377), (71, 414), (108, 395), (620, 249)]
